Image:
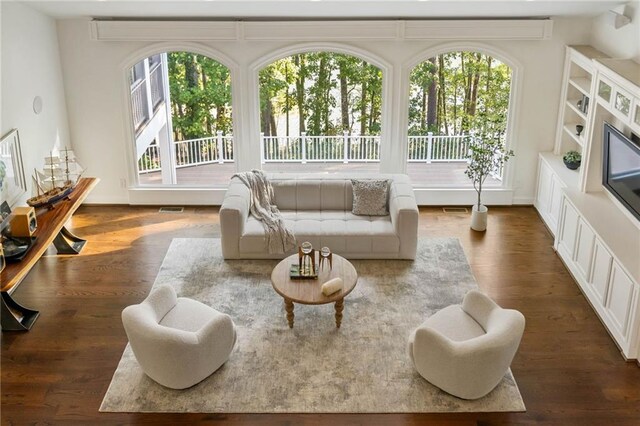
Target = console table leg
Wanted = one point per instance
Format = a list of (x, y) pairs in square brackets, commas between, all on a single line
[(13, 316), (288, 305), (339, 308), (67, 243)]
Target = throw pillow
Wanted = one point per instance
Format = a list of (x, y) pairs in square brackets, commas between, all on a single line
[(370, 197)]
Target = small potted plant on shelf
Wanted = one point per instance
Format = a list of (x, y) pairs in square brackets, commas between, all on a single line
[(572, 159), (487, 155)]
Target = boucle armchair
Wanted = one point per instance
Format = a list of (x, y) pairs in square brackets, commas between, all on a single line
[(317, 207), (178, 342), (466, 350)]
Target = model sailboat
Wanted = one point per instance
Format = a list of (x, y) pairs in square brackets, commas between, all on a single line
[(57, 180)]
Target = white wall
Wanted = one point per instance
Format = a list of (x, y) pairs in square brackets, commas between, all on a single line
[(30, 68), (95, 90), (623, 42)]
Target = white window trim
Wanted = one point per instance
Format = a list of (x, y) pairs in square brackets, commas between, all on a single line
[(246, 116), (159, 48), (252, 148), (514, 97)]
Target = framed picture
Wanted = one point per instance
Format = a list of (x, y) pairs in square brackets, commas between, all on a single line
[(12, 182)]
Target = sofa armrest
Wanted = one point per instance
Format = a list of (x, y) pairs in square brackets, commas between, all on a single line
[(233, 215), (404, 217)]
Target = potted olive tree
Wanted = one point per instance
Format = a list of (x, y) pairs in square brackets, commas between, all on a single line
[(486, 155)]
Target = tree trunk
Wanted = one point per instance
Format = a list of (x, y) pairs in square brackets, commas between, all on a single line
[(363, 101), (344, 98), (266, 118), (372, 117), (488, 86), (191, 75), (286, 100), (443, 98), (272, 121), (323, 108), (455, 110), (423, 109), (220, 117), (299, 61), (208, 122), (432, 100)]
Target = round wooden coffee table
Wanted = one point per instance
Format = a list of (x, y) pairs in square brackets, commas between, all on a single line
[(309, 291)]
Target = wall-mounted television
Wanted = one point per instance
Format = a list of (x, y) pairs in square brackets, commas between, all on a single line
[(621, 168)]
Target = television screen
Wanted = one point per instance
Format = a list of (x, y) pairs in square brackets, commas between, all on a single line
[(621, 168)]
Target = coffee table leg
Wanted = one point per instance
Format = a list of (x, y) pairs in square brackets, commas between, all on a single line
[(339, 308), (288, 306)]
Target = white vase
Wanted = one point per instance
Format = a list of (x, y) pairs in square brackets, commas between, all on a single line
[(479, 217)]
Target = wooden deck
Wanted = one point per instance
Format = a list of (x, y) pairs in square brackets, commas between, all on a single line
[(434, 174)]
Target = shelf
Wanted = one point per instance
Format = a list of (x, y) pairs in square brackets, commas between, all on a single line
[(570, 129), (568, 177), (571, 104), (583, 84), (625, 68), (588, 52)]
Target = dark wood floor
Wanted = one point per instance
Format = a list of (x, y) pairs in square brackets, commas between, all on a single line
[(568, 369)]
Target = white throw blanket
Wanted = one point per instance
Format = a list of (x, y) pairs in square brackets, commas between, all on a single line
[(279, 238)]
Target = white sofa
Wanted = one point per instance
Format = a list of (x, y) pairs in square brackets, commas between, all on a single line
[(317, 208)]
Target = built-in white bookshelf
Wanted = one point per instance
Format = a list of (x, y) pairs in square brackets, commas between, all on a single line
[(595, 236)]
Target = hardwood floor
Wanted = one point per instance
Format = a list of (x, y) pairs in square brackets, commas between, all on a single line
[(568, 369)]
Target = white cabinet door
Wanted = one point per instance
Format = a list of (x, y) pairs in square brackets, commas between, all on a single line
[(568, 230), (619, 299), (584, 249), (600, 272), (555, 202), (543, 192)]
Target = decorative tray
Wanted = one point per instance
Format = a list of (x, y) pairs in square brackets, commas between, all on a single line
[(294, 273)]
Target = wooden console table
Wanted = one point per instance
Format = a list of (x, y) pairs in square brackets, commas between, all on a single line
[(50, 229)]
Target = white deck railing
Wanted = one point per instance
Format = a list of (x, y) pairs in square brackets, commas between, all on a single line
[(157, 89), (302, 149), (193, 152), (150, 160), (139, 104)]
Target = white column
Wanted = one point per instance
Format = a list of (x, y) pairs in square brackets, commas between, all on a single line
[(429, 146), (395, 106), (147, 89), (261, 148), (246, 123), (165, 136), (168, 166)]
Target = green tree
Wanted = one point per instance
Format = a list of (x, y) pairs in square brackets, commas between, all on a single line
[(330, 92), (200, 92), (470, 90)]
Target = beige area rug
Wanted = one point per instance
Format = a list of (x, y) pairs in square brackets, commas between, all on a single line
[(363, 367)]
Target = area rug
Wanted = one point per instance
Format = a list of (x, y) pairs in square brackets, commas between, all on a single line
[(362, 367)]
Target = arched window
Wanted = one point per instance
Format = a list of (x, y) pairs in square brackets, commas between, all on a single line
[(181, 113), (320, 111), (454, 96)]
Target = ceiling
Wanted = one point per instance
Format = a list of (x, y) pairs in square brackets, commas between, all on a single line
[(300, 9)]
